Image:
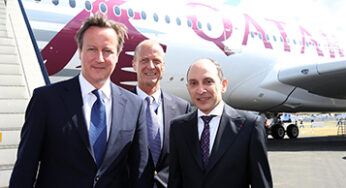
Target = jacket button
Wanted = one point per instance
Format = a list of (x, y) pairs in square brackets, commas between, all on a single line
[(97, 178), (155, 173)]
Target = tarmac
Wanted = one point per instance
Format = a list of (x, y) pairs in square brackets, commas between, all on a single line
[(308, 162)]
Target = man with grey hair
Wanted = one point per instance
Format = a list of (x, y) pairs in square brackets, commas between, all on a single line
[(86, 131), (162, 107)]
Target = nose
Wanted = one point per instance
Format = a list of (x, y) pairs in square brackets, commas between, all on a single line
[(200, 89), (151, 64), (100, 57)]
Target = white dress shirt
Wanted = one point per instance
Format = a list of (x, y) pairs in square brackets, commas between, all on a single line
[(213, 124), (157, 104), (89, 99)]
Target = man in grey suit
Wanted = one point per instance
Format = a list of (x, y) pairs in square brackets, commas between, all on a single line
[(149, 64), (86, 131), (216, 145)]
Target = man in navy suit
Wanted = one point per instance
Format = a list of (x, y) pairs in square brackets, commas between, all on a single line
[(216, 145), (58, 146), (149, 64)]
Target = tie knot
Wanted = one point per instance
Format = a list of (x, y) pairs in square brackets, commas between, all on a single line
[(207, 119), (149, 99), (96, 93)]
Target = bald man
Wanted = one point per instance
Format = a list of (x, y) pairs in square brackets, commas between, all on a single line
[(216, 145), (149, 63)]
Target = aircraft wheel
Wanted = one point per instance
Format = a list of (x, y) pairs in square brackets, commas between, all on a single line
[(292, 131), (278, 131)]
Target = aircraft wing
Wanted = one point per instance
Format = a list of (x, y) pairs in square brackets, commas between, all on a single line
[(325, 79)]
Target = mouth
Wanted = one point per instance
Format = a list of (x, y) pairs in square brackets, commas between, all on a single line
[(203, 99), (150, 74)]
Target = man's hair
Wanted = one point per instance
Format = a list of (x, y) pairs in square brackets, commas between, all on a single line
[(99, 20), (217, 65), (148, 41)]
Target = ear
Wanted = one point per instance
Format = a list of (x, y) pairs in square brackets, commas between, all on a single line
[(134, 65), (224, 85), (163, 65), (79, 54)]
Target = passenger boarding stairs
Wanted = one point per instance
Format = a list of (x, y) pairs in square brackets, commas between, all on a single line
[(20, 73)]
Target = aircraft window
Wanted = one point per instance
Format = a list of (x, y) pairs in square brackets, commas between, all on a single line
[(274, 38), (117, 11), (260, 35), (182, 79), (287, 40), (178, 21), (55, 2), (143, 15), (307, 44), (130, 13), (189, 23), (72, 3), (167, 19), (88, 5), (199, 25), (294, 42), (209, 26), (156, 17), (313, 44), (281, 39), (103, 8), (252, 35), (267, 37)]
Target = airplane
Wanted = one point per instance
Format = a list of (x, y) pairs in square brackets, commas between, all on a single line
[(272, 66)]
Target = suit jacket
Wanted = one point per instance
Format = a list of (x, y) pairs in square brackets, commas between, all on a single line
[(55, 150), (238, 157), (172, 107)]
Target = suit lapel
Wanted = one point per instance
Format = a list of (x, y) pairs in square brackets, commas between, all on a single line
[(74, 102), (191, 135), (118, 108), (168, 113), (229, 127)]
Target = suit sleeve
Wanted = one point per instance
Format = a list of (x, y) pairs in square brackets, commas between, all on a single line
[(174, 179), (32, 134), (259, 165), (139, 151)]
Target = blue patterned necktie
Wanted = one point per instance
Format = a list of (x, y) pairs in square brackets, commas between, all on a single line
[(205, 139), (98, 128), (153, 131)]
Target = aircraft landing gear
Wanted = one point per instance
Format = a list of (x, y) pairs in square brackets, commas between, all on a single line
[(292, 131), (277, 129)]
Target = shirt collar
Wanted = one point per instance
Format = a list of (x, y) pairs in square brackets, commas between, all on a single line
[(87, 88), (217, 111), (143, 95)]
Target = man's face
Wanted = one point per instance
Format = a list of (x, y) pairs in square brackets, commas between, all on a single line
[(98, 54), (149, 65), (204, 85)]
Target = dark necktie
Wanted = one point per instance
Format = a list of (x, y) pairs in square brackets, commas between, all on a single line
[(153, 131), (98, 128), (205, 139)]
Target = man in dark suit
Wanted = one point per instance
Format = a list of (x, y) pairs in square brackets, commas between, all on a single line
[(216, 145), (149, 64), (86, 131)]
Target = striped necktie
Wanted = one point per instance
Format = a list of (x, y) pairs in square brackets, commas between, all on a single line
[(153, 131)]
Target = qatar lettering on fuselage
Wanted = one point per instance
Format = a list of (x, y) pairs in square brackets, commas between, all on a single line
[(306, 38)]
